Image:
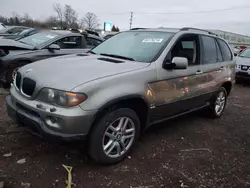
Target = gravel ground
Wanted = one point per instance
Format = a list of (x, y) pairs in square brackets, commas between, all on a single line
[(192, 151)]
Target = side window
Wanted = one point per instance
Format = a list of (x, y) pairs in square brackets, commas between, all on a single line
[(70, 42), (209, 50), (187, 46), (219, 55), (226, 52), (91, 42)]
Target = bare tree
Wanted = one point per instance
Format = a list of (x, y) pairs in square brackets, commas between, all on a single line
[(27, 20), (60, 15), (91, 21), (70, 16)]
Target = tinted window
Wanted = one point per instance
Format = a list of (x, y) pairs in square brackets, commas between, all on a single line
[(91, 42), (226, 53), (142, 46), (70, 42), (209, 50), (219, 55)]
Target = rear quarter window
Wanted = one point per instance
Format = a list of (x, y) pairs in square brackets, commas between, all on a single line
[(226, 52)]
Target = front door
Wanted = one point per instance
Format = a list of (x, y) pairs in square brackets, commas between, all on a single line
[(178, 91)]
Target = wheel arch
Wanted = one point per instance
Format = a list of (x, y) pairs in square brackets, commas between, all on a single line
[(228, 86), (135, 102)]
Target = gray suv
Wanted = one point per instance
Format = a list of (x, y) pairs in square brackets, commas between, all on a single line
[(114, 92)]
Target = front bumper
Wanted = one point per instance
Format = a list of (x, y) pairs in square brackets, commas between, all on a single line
[(242, 76), (68, 123)]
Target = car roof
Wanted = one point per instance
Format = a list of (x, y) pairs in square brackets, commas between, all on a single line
[(175, 30), (61, 32)]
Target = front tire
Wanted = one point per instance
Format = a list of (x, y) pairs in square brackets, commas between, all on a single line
[(113, 136), (218, 103)]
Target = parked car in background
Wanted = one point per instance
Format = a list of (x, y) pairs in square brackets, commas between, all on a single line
[(238, 49), (109, 36), (93, 40), (12, 30), (243, 66), (135, 79), (42, 45), (21, 34)]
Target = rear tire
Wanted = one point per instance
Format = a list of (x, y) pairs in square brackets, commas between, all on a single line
[(113, 136), (218, 104)]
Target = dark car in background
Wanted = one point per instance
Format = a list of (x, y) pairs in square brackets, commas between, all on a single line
[(109, 36), (12, 30), (22, 34), (42, 45)]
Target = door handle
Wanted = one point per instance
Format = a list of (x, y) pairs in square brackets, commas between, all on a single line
[(199, 72)]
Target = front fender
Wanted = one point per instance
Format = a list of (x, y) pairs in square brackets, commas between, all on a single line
[(107, 95)]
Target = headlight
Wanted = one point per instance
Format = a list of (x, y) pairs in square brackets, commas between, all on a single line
[(61, 98)]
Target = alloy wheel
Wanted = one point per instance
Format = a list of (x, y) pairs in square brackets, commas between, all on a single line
[(118, 137), (220, 103)]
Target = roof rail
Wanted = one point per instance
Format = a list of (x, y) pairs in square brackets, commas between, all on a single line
[(191, 28), (137, 28)]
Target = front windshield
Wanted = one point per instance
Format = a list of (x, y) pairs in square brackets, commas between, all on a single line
[(38, 38), (245, 53), (142, 46)]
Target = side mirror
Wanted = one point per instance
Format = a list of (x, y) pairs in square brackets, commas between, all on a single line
[(177, 63), (54, 47)]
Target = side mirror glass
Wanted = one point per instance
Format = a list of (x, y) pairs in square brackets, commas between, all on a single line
[(54, 47), (177, 63)]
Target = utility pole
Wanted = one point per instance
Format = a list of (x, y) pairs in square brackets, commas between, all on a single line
[(131, 20)]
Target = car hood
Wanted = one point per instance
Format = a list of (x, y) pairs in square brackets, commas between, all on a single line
[(13, 45), (68, 72), (242, 61)]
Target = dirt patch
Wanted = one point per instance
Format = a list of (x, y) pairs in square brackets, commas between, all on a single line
[(192, 151)]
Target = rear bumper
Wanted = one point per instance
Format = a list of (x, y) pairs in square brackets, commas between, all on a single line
[(71, 125)]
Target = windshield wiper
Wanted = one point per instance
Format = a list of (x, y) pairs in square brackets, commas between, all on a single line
[(118, 56), (90, 51)]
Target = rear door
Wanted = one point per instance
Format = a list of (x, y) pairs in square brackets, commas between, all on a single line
[(228, 64), (211, 64)]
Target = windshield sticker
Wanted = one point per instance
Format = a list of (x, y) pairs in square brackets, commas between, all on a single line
[(155, 40)]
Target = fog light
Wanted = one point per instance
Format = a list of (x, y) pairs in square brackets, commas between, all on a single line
[(52, 121)]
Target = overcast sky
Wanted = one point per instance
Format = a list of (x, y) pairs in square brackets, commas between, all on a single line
[(147, 13)]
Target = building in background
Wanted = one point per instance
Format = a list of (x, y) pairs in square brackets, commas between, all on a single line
[(233, 38)]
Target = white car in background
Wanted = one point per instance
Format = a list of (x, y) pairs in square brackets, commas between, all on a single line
[(243, 66)]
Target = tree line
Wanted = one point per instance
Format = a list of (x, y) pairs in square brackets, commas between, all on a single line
[(64, 17)]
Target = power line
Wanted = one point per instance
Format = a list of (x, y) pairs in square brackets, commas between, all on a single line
[(198, 12), (191, 12)]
